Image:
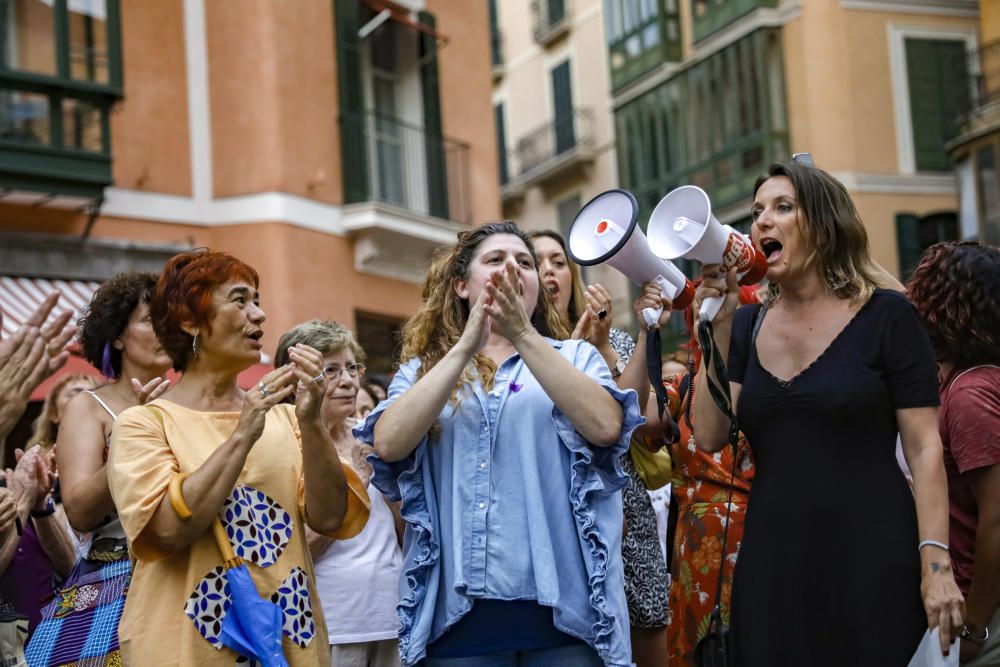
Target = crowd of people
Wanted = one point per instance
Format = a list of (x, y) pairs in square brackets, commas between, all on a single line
[(503, 500)]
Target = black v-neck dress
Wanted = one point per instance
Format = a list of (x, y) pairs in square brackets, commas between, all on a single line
[(828, 573)]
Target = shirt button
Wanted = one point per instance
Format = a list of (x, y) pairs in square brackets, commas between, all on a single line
[(482, 506), (482, 464)]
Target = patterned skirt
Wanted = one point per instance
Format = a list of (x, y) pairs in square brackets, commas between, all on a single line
[(645, 566), (79, 628)]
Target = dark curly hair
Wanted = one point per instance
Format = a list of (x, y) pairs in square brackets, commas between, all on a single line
[(184, 294), (107, 316), (956, 291)]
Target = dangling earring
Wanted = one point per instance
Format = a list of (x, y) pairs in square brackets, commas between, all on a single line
[(194, 346)]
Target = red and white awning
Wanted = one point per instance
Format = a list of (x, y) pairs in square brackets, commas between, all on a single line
[(19, 297)]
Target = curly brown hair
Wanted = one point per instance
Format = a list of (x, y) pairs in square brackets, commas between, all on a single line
[(437, 326), (833, 229), (956, 291), (107, 316)]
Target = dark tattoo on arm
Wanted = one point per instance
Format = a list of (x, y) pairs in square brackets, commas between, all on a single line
[(940, 567)]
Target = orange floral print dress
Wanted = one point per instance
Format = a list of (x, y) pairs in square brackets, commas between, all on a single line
[(701, 486)]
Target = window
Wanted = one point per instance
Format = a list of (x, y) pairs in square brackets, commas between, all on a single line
[(380, 336), (914, 234), (641, 35), (566, 211), (989, 195), (495, 50), (710, 16), (562, 103), (60, 73), (716, 124), (501, 144), (938, 78)]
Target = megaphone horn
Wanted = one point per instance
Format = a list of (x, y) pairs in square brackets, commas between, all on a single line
[(683, 225), (606, 230)]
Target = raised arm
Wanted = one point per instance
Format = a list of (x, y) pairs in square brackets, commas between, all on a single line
[(405, 423), (140, 459), (592, 411), (711, 425)]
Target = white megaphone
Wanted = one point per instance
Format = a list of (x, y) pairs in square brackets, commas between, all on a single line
[(606, 230), (682, 225)]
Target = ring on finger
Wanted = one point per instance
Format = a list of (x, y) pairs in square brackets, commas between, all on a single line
[(602, 313), (319, 378), (263, 389)]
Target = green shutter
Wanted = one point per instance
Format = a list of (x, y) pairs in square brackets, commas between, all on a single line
[(501, 144), (497, 58), (908, 243), (557, 12), (562, 97), (937, 71), (353, 151), (437, 184)]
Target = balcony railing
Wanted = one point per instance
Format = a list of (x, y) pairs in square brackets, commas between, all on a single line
[(983, 68), (563, 142), (551, 19), (401, 164)]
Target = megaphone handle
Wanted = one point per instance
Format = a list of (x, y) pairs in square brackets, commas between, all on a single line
[(652, 317), (710, 308)]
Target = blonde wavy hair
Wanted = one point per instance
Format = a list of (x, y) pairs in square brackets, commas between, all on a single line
[(833, 229), (46, 426), (430, 333)]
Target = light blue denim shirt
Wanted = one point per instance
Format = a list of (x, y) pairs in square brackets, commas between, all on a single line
[(507, 501)]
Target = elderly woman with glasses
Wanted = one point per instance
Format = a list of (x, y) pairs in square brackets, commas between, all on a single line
[(208, 451), (357, 579)]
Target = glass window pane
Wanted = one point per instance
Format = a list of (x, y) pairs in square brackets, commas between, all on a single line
[(29, 36), (88, 40), (82, 127), (24, 117)]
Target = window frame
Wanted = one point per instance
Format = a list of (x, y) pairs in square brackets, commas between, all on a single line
[(897, 36)]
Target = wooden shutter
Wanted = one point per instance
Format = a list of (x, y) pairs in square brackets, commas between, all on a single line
[(437, 183), (908, 243), (501, 144), (353, 150), (562, 97), (938, 76)]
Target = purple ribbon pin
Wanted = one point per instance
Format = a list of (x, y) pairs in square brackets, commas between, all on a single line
[(515, 387)]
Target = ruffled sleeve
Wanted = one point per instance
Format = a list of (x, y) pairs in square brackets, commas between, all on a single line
[(596, 476), (140, 467), (604, 461), (404, 481)]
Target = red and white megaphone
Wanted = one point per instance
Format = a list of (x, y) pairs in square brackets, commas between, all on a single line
[(682, 225), (606, 230)]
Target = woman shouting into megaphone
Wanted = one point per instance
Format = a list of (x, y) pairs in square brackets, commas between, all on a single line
[(840, 564)]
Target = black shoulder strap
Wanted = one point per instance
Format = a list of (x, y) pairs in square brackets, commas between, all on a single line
[(758, 321)]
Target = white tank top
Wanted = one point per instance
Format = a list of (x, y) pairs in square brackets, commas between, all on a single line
[(358, 579)]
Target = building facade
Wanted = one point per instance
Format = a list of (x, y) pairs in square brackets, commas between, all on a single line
[(710, 92), (974, 150), (552, 117), (332, 144)]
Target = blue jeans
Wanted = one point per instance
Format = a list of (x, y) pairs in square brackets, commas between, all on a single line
[(576, 655)]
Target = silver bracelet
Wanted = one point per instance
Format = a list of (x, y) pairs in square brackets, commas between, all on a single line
[(932, 543), (966, 634)]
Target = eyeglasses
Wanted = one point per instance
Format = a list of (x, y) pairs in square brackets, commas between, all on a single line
[(333, 371)]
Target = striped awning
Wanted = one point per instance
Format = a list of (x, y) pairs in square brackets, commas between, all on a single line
[(19, 297)]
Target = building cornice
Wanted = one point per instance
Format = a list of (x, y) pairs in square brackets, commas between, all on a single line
[(962, 8)]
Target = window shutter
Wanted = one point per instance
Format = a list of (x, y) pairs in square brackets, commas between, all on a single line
[(937, 72), (501, 144), (353, 151), (557, 11), (908, 243), (437, 184), (562, 96)]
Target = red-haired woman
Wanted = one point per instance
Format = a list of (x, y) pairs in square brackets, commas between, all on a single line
[(209, 450), (956, 291)]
